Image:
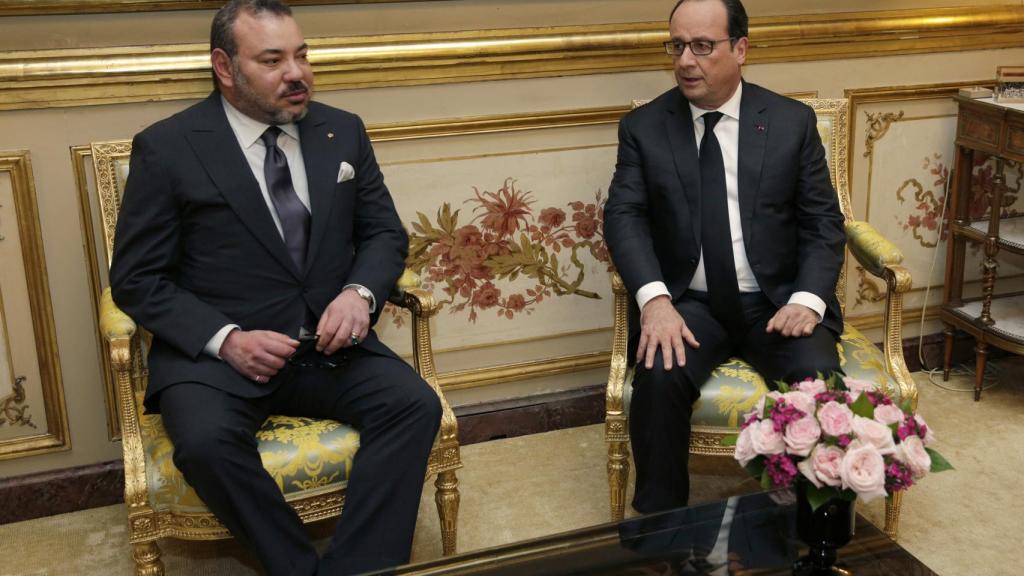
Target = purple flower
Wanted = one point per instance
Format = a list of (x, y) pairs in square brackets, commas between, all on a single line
[(781, 470), (897, 476), (783, 413)]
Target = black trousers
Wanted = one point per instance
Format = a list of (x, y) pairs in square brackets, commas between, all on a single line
[(397, 415), (659, 415)]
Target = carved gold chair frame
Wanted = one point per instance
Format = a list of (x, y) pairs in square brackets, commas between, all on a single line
[(872, 251), (126, 342)]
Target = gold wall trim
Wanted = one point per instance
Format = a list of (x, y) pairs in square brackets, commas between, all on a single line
[(77, 77), (524, 370), (41, 7), (497, 123), (18, 165)]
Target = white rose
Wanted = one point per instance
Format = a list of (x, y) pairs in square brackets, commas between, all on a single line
[(889, 414), (764, 439), (802, 435), (744, 452)]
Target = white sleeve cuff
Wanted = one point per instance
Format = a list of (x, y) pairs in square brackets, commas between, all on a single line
[(811, 301), (649, 291), (373, 299), (213, 346)]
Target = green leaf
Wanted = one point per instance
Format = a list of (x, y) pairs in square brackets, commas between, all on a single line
[(766, 480), (818, 496), (863, 407), (906, 407), (769, 405), (939, 463), (835, 382), (783, 387), (756, 467), (730, 440)]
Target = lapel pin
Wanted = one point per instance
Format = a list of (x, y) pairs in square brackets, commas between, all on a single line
[(759, 127), (330, 134)]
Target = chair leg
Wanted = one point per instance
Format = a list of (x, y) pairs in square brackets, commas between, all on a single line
[(892, 515), (447, 499), (147, 559), (618, 476)]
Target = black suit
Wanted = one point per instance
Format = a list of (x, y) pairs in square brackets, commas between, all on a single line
[(196, 249), (793, 236)]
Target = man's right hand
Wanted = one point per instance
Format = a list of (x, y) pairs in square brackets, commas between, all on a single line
[(662, 326), (257, 354)]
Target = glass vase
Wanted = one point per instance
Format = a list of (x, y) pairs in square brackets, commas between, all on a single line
[(824, 530)]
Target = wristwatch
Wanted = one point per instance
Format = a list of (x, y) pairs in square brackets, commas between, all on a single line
[(364, 293)]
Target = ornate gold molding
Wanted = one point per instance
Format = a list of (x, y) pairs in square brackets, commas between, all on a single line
[(41, 7), (18, 166), (524, 370), (76, 77)]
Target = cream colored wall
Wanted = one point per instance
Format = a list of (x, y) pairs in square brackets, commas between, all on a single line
[(48, 134)]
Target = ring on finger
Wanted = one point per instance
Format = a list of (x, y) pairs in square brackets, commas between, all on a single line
[(355, 339)]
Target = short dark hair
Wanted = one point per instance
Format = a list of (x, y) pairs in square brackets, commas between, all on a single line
[(734, 11), (221, 34)]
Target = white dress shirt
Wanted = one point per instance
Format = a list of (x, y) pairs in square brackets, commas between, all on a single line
[(248, 132), (727, 132)]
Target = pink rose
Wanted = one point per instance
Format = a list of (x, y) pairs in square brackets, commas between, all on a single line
[(928, 436), (863, 471), (875, 433), (745, 452), (802, 435), (759, 407), (859, 386), (802, 401), (822, 467), (912, 453), (764, 439), (889, 414), (836, 419), (812, 387)]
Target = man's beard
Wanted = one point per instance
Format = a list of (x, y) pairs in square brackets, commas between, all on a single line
[(254, 105)]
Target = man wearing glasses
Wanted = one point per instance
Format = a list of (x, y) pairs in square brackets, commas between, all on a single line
[(722, 220)]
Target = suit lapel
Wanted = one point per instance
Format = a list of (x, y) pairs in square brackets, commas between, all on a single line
[(322, 161), (753, 138), (217, 148), (679, 124)]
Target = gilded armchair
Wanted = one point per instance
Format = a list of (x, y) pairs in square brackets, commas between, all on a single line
[(734, 387), (309, 458)]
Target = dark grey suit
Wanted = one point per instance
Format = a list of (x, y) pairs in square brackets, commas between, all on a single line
[(196, 249)]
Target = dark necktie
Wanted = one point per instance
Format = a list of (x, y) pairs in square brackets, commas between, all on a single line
[(716, 237), (290, 211)]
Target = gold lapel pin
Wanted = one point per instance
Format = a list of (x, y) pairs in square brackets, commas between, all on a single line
[(330, 134)]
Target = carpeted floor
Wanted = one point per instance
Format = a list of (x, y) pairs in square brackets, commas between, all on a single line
[(963, 522)]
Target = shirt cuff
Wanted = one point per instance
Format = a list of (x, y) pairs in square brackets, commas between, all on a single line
[(650, 291), (213, 346), (811, 301), (373, 299)]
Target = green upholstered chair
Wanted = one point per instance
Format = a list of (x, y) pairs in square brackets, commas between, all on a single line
[(734, 387), (309, 458)]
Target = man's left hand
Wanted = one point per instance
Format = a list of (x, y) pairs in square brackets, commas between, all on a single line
[(346, 317), (793, 321)]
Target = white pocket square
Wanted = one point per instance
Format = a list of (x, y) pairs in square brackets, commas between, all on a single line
[(346, 172)]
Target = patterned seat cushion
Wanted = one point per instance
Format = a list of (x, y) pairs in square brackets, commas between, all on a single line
[(734, 387), (305, 456)]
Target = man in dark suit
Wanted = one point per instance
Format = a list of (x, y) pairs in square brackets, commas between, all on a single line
[(724, 225), (249, 219)]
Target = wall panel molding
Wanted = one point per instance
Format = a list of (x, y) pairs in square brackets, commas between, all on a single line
[(51, 435), (45, 7), (78, 77)]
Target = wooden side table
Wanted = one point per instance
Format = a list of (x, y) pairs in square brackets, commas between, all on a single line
[(983, 126)]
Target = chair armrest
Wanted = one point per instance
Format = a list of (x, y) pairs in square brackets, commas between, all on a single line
[(408, 294), (883, 259), (117, 328), (872, 250), (614, 396)]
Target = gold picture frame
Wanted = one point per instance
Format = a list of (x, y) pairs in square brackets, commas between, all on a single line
[(43, 7)]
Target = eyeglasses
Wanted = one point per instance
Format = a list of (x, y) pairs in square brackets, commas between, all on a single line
[(697, 47)]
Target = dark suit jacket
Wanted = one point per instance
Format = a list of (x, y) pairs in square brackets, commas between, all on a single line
[(792, 226), (196, 247)]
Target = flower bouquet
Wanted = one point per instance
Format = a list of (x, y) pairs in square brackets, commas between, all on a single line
[(840, 436)]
